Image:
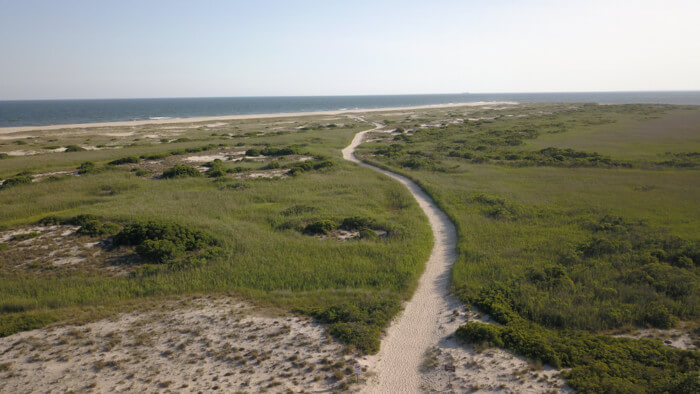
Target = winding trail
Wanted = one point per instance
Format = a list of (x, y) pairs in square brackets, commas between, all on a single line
[(425, 320)]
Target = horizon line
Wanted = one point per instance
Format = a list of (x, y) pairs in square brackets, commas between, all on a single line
[(352, 95)]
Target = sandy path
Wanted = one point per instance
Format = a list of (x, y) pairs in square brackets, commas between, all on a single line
[(422, 323)]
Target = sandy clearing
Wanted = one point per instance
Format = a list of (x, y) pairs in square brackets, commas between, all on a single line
[(7, 130), (198, 345)]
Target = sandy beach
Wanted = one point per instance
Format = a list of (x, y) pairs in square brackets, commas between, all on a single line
[(9, 130)]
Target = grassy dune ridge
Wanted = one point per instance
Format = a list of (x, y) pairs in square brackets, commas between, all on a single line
[(565, 250), (266, 257)]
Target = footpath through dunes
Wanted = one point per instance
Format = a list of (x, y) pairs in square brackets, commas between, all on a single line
[(426, 319)]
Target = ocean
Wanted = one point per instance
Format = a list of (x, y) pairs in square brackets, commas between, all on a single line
[(49, 112)]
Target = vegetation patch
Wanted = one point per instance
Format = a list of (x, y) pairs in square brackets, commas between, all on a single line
[(125, 160), (181, 171), (168, 243), (16, 180)]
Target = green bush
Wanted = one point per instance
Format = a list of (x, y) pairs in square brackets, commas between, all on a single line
[(279, 151), (181, 171), (368, 234), (320, 227), (136, 233), (252, 152), (94, 228), (359, 322), (168, 243), (216, 169), (4, 156), (358, 223), (16, 180), (156, 156), (271, 165), (125, 160), (74, 148), (481, 333), (159, 251), (87, 167)]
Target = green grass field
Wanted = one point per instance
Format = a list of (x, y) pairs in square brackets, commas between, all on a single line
[(566, 247), (356, 286)]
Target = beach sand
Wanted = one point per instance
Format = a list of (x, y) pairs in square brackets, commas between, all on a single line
[(17, 129)]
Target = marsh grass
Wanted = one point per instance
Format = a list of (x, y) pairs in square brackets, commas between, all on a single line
[(559, 254)]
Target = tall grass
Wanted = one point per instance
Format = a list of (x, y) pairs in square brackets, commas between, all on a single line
[(263, 259)]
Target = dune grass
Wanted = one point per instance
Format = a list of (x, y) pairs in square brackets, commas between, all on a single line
[(265, 257)]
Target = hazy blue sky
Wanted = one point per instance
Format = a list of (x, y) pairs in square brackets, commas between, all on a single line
[(85, 49)]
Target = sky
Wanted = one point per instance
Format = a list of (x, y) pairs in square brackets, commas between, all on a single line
[(123, 49)]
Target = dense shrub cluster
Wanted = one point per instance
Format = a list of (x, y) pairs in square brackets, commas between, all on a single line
[(87, 167), (359, 323), (318, 164), (268, 151), (88, 224), (597, 363), (168, 243), (74, 148), (216, 169), (320, 227), (181, 171), (16, 180), (682, 160)]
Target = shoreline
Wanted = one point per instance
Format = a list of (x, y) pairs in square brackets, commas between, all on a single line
[(126, 123)]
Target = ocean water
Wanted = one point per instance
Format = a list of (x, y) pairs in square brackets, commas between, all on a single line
[(48, 112)]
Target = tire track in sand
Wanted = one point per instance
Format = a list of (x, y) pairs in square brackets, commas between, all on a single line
[(426, 318)]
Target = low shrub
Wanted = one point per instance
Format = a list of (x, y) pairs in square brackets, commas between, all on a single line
[(16, 180), (475, 332), (170, 243), (271, 165), (320, 227), (4, 156), (181, 171), (125, 160), (357, 223), (87, 167), (160, 250), (368, 234), (94, 228), (359, 322), (25, 236), (216, 169), (156, 156), (74, 148)]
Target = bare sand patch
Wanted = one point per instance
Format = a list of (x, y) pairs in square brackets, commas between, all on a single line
[(59, 249), (205, 158), (22, 152), (199, 345), (264, 174), (675, 337)]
